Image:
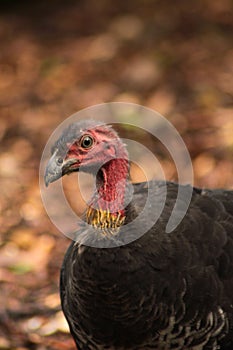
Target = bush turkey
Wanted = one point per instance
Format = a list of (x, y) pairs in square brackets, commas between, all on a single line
[(159, 291)]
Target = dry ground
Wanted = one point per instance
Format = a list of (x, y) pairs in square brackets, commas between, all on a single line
[(58, 57)]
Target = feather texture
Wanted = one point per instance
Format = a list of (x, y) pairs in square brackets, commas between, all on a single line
[(157, 290), (162, 291)]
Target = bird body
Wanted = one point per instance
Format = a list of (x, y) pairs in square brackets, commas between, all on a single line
[(160, 291)]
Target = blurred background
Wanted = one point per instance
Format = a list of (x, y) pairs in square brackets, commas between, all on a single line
[(58, 57)]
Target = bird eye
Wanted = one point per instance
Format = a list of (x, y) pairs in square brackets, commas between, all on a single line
[(87, 141)]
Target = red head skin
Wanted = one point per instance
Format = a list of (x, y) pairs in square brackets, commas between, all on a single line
[(107, 158)]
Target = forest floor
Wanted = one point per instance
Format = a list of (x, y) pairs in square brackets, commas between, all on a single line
[(58, 58)]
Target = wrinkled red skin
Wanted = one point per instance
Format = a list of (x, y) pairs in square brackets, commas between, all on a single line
[(113, 174)]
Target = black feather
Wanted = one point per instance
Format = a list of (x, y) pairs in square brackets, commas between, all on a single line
[(162, 291)]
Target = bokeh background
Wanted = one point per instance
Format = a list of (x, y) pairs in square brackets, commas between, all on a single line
[(58, 57)]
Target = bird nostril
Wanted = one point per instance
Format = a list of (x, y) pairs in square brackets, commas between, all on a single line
[(59, 160)]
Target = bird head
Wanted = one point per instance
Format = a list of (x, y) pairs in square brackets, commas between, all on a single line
[(83, 146), (96, 148)]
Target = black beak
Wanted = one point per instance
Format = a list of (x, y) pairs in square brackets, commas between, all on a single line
[(54, 170), (57, 167)]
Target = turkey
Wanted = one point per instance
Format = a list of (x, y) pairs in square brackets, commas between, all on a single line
[(165, 291)]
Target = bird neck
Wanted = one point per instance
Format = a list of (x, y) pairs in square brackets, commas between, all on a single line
[(107, 208)]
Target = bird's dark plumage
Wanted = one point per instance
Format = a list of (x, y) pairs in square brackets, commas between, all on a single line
[(161, 291)]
